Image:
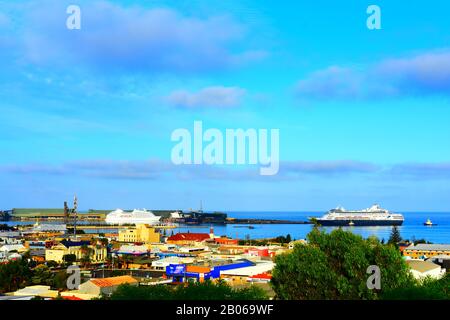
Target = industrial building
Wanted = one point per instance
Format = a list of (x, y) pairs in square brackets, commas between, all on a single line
[(182, 272)]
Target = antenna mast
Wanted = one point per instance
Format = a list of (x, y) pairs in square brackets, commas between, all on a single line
[(75, 208)]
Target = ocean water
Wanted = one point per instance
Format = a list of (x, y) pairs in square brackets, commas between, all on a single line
[(412, 227)]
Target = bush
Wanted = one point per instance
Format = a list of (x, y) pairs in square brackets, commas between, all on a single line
[(429, 289), (191, 291)]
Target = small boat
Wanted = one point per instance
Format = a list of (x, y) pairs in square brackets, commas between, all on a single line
[(351, 223), (429, 223), (250, 227)]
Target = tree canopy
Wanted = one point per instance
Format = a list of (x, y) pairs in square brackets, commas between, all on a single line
[(14, 275), (395, 236), (191, 291), (334, 266)]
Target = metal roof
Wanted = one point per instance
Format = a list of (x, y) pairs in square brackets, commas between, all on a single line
[(430, 247)]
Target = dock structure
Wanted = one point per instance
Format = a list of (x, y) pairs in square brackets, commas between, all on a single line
[(111, 226), (51, 214)]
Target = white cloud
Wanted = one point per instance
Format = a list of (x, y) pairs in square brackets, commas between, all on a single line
[(217, 97), (136, 39), (421, 75)]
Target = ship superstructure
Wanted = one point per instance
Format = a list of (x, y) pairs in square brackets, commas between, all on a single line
[(137, 216), (373, 216)]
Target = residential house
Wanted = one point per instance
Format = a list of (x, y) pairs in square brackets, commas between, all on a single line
[(97, 253)]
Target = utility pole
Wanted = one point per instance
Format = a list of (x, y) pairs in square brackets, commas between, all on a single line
[(75, 208)]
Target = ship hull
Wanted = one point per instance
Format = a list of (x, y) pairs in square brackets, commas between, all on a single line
[(359, 223)]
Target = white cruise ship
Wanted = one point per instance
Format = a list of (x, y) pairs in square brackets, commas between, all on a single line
[(136, 216), (373, 216)]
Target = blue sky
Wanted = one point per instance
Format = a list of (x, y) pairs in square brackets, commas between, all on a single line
[(363, 114)]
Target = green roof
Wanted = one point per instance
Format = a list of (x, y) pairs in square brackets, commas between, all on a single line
[(35, 211)]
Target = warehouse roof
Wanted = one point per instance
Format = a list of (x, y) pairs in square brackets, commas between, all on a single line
[(430, 247), (40, 211)]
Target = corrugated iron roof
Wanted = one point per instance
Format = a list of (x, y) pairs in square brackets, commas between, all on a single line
[(430, 247)]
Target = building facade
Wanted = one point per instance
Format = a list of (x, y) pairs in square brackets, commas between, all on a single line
[(426, 250), (141, 233), (97, 254)]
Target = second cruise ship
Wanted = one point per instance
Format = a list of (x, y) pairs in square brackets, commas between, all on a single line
[(373, 216), (136, 216)]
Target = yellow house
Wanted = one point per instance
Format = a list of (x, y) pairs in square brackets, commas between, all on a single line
[(140, 233), (426, 250), (56, 253)]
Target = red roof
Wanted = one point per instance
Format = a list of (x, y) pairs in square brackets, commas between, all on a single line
[(262, 276), (189, 237), (71, 298)]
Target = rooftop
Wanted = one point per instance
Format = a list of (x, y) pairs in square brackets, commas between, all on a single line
[(187, 236), (113, 281), (430, 247), (422, 266)]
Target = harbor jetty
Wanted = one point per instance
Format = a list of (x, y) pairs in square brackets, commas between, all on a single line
[(263, 221), (94, 219)]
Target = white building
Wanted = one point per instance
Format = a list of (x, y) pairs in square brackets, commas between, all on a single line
[(260, 267), (133, 249), (12, 247), (165, 262), (421, 269)]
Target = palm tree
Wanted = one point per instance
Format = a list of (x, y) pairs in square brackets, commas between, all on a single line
[(86, 255)]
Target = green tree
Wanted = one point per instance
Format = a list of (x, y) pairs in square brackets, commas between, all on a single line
[(69, 258), (395, 236), (86, 252), (421, 241), (104, 241), (14, 275), (334, 266), (191, 291), (51, 264), (60, 280), (428, 289), (42, 275)]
